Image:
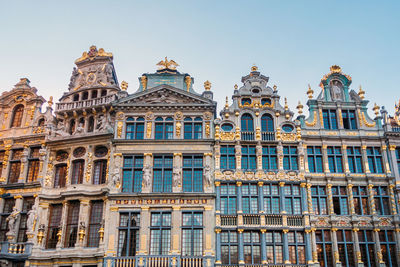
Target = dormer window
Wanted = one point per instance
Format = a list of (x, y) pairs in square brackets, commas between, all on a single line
[(266, 101), (227, 127), (246, 101)]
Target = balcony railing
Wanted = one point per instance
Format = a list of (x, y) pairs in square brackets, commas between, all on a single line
[(295, 221), (86, 103), (228, 220), (268, 136), (15, 250), (273, 220), (158, 261), (251, 219), (395, 128), (247, 136)]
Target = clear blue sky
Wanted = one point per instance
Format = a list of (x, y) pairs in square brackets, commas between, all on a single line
[(292, 42)]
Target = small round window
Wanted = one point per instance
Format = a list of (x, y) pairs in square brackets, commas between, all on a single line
[(227, 127), (79, 152), (100, 151), (287, 128), (61, 155)]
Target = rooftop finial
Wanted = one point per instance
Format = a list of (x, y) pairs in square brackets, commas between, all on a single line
[(376, 109), (361, 93), (50, 102), (207, 85), (335, 69), (254, 68), (124, 85), (286, 105), (167, 64), (235, 86), (310, 92), (226, 103), (300, 108)]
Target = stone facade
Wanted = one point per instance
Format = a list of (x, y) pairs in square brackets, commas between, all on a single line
[(154, 178)]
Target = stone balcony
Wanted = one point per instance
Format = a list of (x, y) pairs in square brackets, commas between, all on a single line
[(269, 220), (89, 103), (159, 261), (15, 251)]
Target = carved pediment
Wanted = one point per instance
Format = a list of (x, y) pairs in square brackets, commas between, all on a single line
[(164, 95)]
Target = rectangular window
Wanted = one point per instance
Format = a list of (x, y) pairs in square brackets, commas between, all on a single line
[(229, 247), (228, 199), (54, 225), (354, 158), (162, 173), (128, 233), (100, 171), (192, 234), (160, 233), (77, 171), (95, 222), (349, 119), (15, 166), (164, 130), (388, 247), (340, 201), (375, 159), (290, 158), (249, 158), (382, 200), (60, 176), (228, 160), (132, 174), (271, 199), (314, 156), (192, 173), (250, 198), (397, 151), (345, 247), (252, 247), (193, 129), (292, 199), (135, 129), (335, 159), (7, 210), (367, 244), (33, 164), (26, 207), (360, 199), (319, 200), (329, 118), (324, 248), (269, 158), (296, 247), (274, 247), (71, 229)]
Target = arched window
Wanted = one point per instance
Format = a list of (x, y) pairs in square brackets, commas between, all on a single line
[(247, 123), (135, 128), (193, 129), (17, 116), (41, 123), (267, 123), (164, 129)]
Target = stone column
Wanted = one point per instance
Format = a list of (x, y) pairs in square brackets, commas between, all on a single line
[(83, 225), (263, 248), (43, 222), (392, 199), (238, 156), (385, 160), (176, 230), (177, 173), (306, 168), (6, 165), (330, 199), (314, 246), (218, 196), (218, 246), (393, 159), (371, 199), (351, 200), (282, 197), (379, 256), (259, 157), (217, 155), (209, 220), (309, 259), (279, 150), (357, 248), (12, 236), (335, 248), (144, 231), (346, 162), (241, 246), (24, 165), (239, 197), (89, 167), (325, 158), (147, 173), (309, 199), (63, 225), (365, 158), (261, 197), (397, 230), (285, 247), (303, 198)]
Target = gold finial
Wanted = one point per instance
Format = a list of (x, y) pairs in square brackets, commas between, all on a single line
[(50, 102), (376, 109), (167, 64), (361, 93), (275, 87), (124, 85), (310, 92), (254, 68), (286, 105), (226, 103), (92, 53), (236, 86), (335, 69), (188, 82), (207, 85), (143, 81), (300, 108)]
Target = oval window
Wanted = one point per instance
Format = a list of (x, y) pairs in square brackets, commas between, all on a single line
[(287, 128), (100, 151), (61, 155), (79, 152), (227, 127)]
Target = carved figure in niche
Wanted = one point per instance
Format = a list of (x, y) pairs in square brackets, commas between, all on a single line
[(115, 177), (60, 131), (161, 98), (109, 73), (103, 124), (30, 223), (336, 90), (207, 175), (73, 79), (176, 175), (79, 129), (146, 176), (12, 221)]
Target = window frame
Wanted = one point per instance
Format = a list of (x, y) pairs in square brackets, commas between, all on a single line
[(78, 171), (192, 228), (231, 204), (194, 180), (101, 178), (161, 228), (330, 119), (315, 159), (355, 159), (252, 243), (132, 215), (227, 157), (249, 158), (375, 160), (134, 128), (135, 178), (335, 159), (318, 199), (290, 158), (33, 163), (250, 198), (349, 119)]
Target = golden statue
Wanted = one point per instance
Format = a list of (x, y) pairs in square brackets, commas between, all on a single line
[(167, 64)]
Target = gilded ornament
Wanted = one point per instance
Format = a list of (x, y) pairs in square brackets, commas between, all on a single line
[(314, 122), (207, 129), (188, 82), (124, 85), (119, 129), (299, 108), (361, 93), (167, 64), (178, 126), (178, 115), (310, 92), (143, 81), (207, 85), (92, 53), (148, 129)]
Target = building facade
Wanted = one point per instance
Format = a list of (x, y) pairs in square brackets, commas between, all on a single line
[(155, 178)]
